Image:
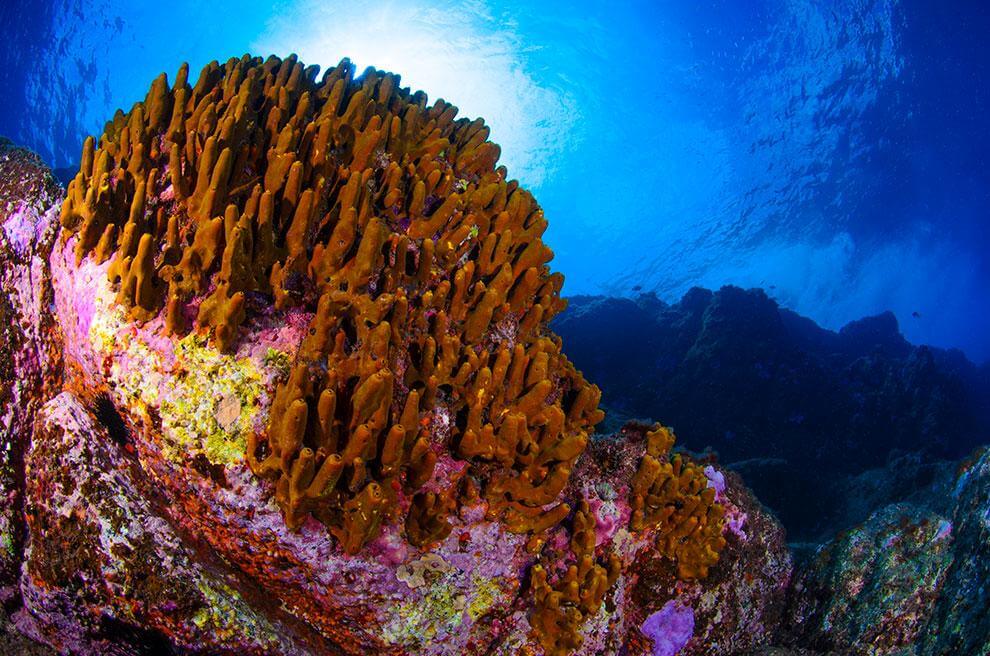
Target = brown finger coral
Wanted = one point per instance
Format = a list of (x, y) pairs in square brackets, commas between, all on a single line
[(561, 608), (672, 494), (262, 188)]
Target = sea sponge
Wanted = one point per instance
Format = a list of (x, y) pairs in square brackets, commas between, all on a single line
[(561, 608), (260, 189), (672, 495)]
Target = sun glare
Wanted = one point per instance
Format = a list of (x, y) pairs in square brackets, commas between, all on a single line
[(461, 54)]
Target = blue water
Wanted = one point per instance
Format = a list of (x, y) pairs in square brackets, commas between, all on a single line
[(832, 152)]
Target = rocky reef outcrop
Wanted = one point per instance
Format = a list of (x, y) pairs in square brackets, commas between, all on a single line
[(294, 392), (911, 578), (30, 362), (796, 409)]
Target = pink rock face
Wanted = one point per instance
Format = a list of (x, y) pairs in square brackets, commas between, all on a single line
[(30, 368), (145, 526)]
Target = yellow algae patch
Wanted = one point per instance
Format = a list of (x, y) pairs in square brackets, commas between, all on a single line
[(209, 403), (206, 403), (486, 593), (108, 319), (439, 610), (136, 368), (226, 615), (420, 620), (138, 373), (279, 362)]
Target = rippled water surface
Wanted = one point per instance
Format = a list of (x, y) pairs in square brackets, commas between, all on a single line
[(834, 153)]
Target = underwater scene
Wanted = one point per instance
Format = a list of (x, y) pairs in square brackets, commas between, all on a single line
[(411, 327)]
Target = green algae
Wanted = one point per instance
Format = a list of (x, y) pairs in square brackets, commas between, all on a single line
[(227, 616), (441, 608), (278, 362), (438, 610), (7, 542), (486, 593)]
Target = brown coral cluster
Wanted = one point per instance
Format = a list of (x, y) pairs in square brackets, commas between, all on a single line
[(672, 495), (261, 187), (560, 609)]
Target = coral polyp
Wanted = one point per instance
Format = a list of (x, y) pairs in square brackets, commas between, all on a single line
[(259, 190)]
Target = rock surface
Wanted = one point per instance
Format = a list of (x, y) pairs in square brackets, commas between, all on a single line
[(911, 579), (30, 364)]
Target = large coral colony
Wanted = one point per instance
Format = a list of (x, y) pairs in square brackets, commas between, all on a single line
[(262, 191)]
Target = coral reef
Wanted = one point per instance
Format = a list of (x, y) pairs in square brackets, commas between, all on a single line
[(559, 610), (735, 609), (676, 497), (285, 385), (793, 407), (387, 219), (326, 362)]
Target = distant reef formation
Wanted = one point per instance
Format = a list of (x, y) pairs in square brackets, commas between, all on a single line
[(795, 408)]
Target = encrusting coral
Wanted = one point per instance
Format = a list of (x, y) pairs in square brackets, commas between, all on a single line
[(673, 495), (260, 186)]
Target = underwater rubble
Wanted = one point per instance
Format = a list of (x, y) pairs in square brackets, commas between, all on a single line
[(278, 379)]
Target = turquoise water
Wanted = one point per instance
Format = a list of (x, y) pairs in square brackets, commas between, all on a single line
[(833, 153)]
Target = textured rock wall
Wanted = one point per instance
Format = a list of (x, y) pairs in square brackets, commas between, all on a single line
[(30, 362), (912, 578)]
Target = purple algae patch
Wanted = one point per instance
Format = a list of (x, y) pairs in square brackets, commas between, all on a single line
[(669, 628)]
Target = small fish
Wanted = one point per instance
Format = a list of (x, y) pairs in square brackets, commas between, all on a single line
[(637, 288), (916, 314)]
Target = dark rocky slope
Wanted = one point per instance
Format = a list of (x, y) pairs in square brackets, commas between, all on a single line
[(795, 408)]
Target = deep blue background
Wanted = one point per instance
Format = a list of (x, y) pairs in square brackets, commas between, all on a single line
[(832, 152)]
